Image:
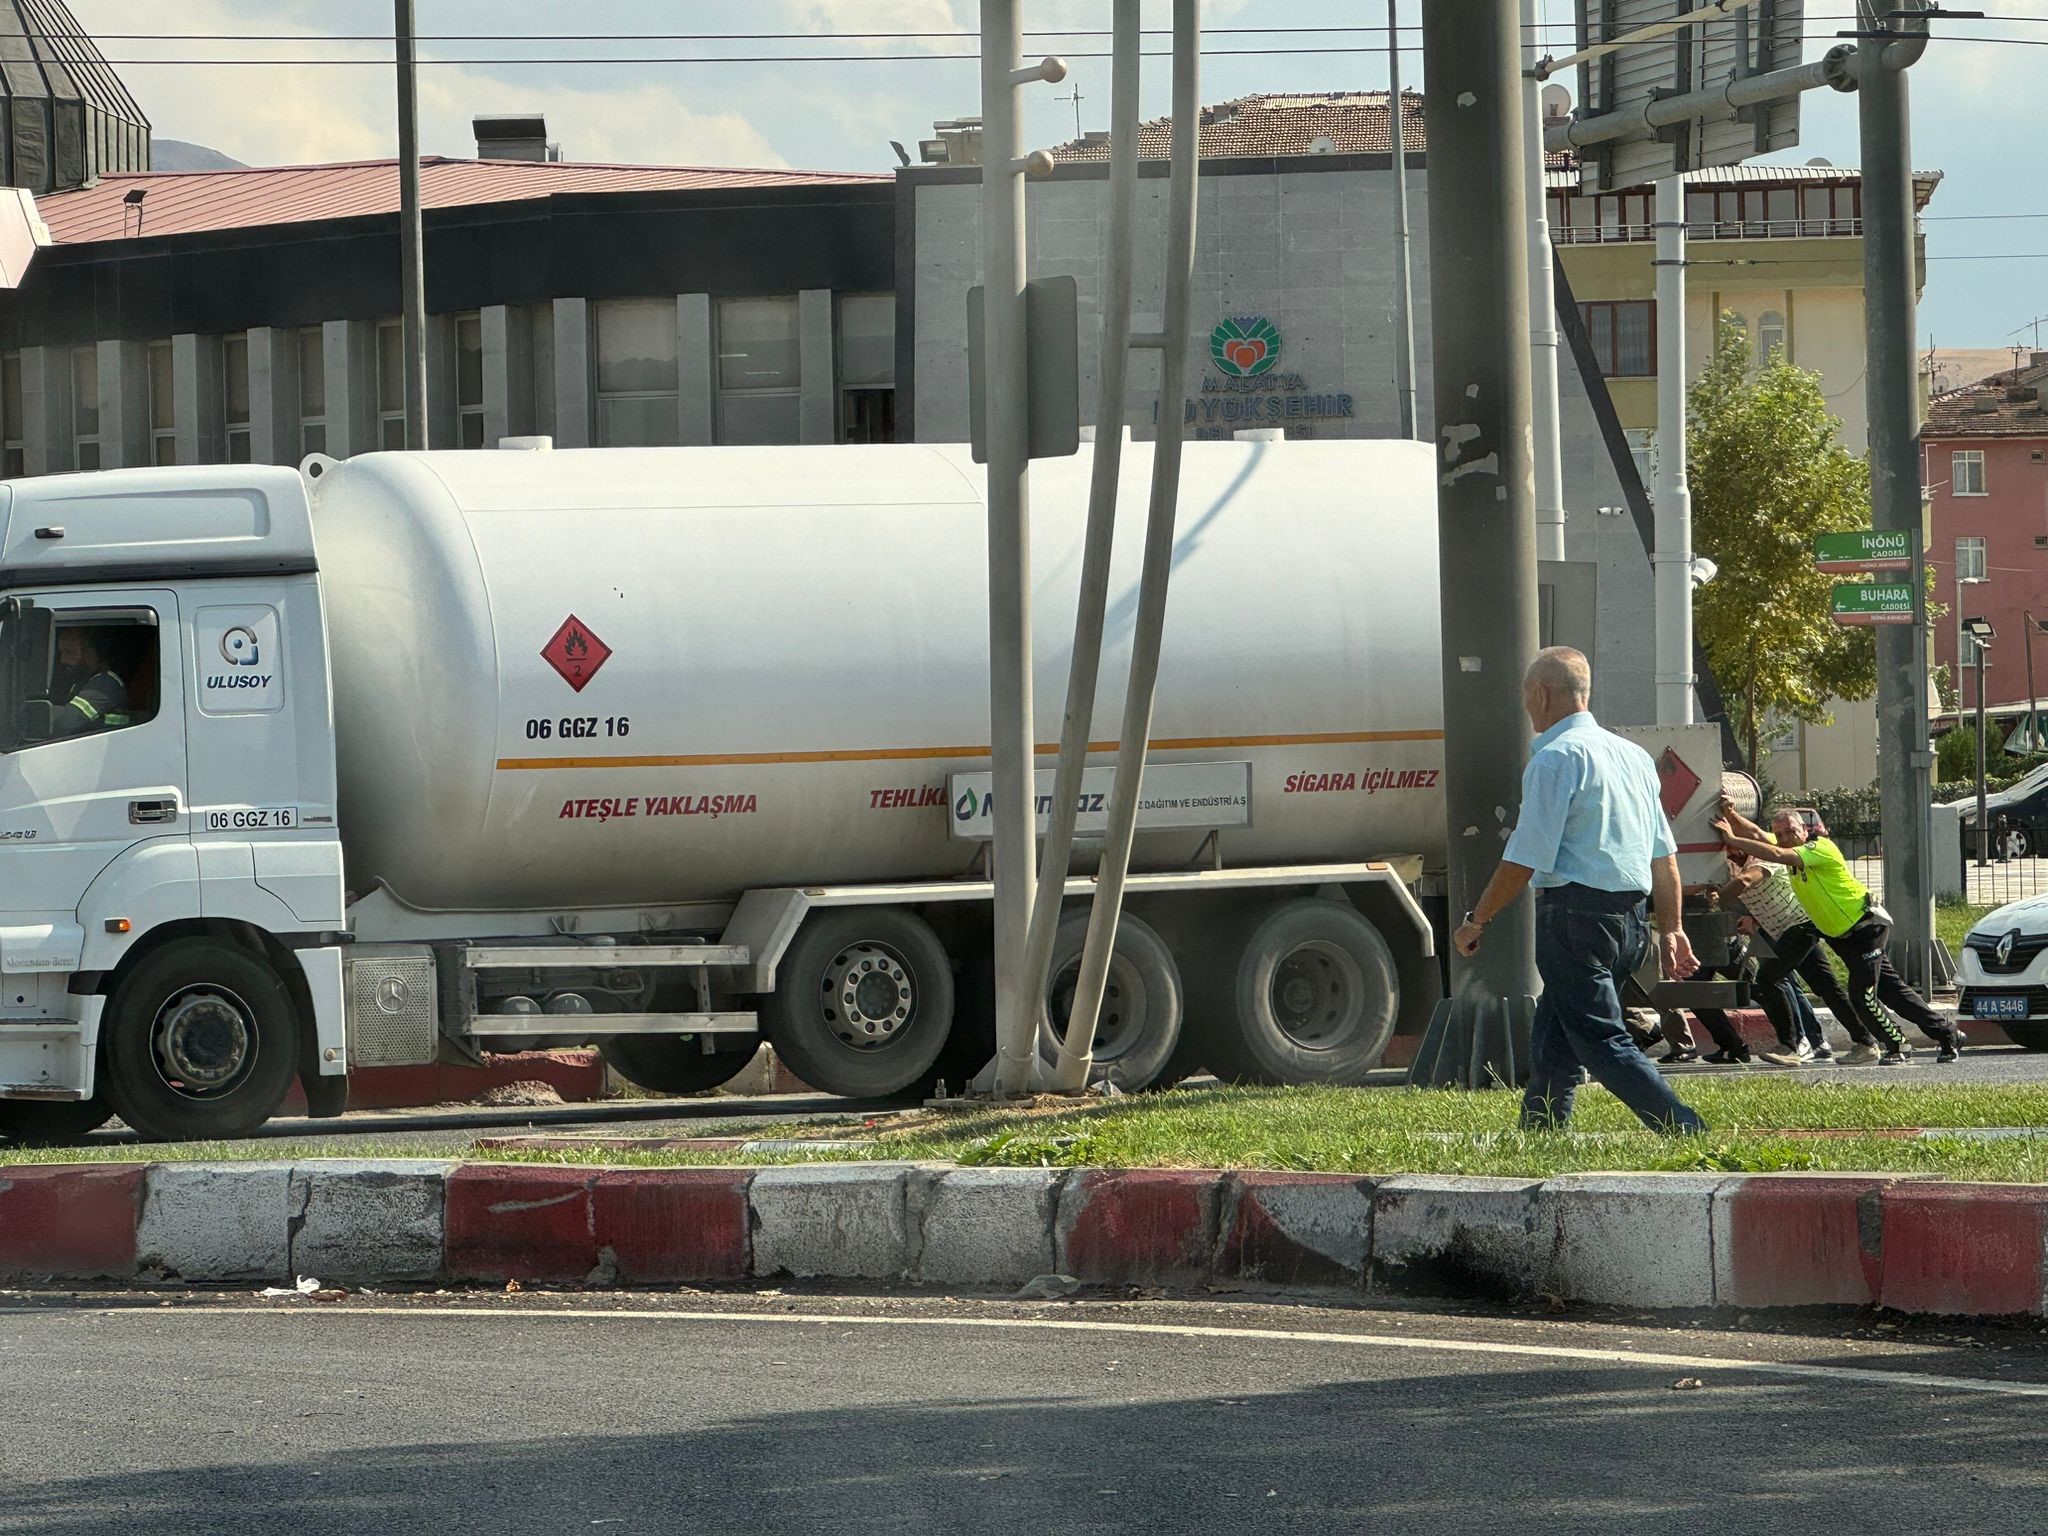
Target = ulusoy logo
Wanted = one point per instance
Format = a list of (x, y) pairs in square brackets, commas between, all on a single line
[(238, 647), (1245, 346)]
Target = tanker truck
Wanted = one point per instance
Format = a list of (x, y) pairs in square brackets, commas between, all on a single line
[(422, 755)]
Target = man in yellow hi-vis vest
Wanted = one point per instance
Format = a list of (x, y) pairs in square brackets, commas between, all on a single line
[(100, 702)]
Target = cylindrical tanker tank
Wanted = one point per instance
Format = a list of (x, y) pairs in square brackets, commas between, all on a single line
[(624, 676)]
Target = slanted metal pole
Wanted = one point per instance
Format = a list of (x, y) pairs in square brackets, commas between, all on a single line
[(1542, 308), (1671, 565), (1905, 760), (1404, 283), (412, 282), (1009, 545), (1486, 522), (1083, 674), (1183, 169)]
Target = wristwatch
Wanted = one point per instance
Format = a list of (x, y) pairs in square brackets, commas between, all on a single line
[(1471, 922)]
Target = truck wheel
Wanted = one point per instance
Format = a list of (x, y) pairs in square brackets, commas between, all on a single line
[(674, 1063), (200, 1043), (34, 1123), (1315, 997), (1138, 1026), (863, 1001)]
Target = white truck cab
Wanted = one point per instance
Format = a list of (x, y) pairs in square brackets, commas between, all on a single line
[(171, 899)]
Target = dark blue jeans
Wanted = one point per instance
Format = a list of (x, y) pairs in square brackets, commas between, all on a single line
[(1587, 943)]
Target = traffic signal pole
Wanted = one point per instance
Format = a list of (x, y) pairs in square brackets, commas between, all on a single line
[(1905, 759), (1486, 516)]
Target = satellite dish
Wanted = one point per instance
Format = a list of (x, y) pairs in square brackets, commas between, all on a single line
[(1557, 101), (1822, 161), (1322, 144)]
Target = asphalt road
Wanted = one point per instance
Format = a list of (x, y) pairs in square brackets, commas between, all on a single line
[(541, 1414)]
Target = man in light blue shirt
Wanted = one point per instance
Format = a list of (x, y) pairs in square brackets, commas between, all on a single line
[(1593, 839)]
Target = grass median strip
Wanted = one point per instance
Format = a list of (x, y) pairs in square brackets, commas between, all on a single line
[(1759, 1125)]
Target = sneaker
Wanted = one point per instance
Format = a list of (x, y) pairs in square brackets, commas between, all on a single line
[(1680, 1054), (1861, 1054), (1951, 1046), (1779, 1058), (1895, 1058), (1728, 1058), (1804, 1047), (1823, 1053)]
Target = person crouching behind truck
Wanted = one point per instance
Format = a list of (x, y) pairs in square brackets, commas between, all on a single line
[(1593, 837)]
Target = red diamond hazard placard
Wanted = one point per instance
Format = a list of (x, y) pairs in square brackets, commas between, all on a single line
[(575, 652)]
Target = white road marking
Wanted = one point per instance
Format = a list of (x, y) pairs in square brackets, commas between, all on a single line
[(1860, 1375)]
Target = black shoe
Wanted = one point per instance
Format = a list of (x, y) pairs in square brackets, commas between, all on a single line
[(1728, 1059), (1952, 1045), (1893, 1058), (1680, 1054)]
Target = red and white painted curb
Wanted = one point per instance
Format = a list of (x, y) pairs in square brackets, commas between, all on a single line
[(1635, 1240)]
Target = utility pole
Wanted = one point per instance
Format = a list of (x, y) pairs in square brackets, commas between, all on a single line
[(1905, 759), (1007, 403), (1983, 825), (1542, 306), (1404, 281), (1486, 517), (412, 282), (1671, 565)]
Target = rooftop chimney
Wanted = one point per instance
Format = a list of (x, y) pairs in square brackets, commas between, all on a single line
[(514, 136), (957, 142)]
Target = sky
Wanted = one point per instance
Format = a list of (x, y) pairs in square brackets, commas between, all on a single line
[(1976, 106)]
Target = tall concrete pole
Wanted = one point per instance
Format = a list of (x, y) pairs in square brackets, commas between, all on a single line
[(1671, 564), (1404, 280), (1905, 760), (1007, 398), (1542, 307), (412, 281), (1486, 514)]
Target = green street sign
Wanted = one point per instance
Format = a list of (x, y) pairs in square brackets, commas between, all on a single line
[(1866, 549), (1873, 602)]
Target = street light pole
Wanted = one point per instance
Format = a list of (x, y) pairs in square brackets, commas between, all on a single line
[(1404, 286), (412, 281), (1983, 827)]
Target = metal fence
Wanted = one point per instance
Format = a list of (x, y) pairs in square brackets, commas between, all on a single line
[(2007, 873)]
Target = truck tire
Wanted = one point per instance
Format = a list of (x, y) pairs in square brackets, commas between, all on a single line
[(34, 1123), (674, 1063), (863, 1001), (1137, 1029), (1315, 996), (200, 1042)]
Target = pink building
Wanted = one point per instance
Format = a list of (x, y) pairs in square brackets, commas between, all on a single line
[(1984, 453)]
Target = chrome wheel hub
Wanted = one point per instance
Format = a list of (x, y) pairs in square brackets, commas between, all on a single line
[(869, 996)]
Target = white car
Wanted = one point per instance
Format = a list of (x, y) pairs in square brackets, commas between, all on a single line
[(2003, 971)]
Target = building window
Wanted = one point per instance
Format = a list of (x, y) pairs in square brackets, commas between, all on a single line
[(312, 351), (1969, 567), (234, 396), (1966, 474), (163, 412), (1624, 337), (15, 450), (867, 368), (85, 407), (469, 381), (1770, 335), (1642, 448), (758, 371), (637, 405), (390, 385)]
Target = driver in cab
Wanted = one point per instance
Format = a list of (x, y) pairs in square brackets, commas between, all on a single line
[(99, 699)]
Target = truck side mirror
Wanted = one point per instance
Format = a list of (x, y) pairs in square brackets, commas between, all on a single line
[(27, 655), (37, 722)]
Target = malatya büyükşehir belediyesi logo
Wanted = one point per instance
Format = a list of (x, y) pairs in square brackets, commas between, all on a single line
[(1245, 346)]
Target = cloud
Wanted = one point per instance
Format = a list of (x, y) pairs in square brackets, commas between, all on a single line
[(301, 114)]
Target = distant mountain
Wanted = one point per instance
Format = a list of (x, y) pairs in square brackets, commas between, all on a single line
[(177, 155)]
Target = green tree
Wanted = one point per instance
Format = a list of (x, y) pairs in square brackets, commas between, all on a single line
[(1768, 474)]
